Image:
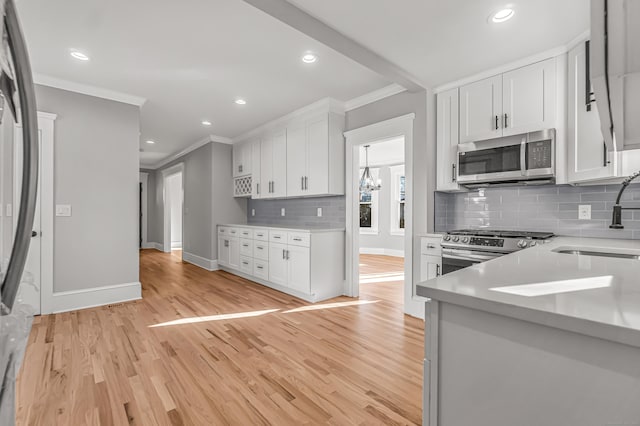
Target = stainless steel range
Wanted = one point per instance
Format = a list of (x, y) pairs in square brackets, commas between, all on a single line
[(466, 247)]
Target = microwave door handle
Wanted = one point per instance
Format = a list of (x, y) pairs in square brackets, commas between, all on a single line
[(523, 156)]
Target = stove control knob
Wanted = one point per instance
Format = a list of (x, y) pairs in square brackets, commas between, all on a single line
[(522, 244), (446, 237), (455, 238), (465, 240), (533, 243)]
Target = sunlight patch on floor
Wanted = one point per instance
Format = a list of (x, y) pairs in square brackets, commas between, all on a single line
[(381, 279), (330, 306), (219, 317)]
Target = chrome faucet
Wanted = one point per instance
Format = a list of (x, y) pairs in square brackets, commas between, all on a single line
[(616, 222)]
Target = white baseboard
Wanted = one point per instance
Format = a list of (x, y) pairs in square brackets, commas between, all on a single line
[(176, 244), (64, 301), (204, 263), (382, 251), (157, 246), (148, 245)]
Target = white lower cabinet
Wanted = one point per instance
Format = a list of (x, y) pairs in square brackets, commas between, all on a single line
[(306, 264), (430, 257)]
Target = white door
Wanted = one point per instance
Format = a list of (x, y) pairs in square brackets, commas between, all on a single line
[(296, 159), (588, 157), (481, 110), (447, 137), (529, 98), (279, 165), (278, 263), (299, 269), (256, 187), (223, 251), (317, 177), (266, 167), (234, 253), (29, 291)]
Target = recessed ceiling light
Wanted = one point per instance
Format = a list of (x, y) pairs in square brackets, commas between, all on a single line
[(309, 58), (241, 102), (151, 142), (503, 15), (206, 123), (76, 54)]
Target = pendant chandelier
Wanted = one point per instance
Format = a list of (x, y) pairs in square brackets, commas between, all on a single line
[(367, 183)]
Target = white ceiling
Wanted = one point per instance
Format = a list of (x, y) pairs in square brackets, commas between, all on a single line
[(384, 153), (190, 59), (440, 41)]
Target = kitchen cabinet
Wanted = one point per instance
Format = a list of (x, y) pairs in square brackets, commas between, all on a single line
[(229, 249), (588, 157), (481, 110), (447, 140), (519, 101), (242, 158), (273, 165), (256, 186), (315, 156), (308, 264), (430, 257)]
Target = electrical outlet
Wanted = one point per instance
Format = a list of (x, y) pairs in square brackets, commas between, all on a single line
[(584, 212), (253, 212), (63, 210), (282, 211), (319, 211)]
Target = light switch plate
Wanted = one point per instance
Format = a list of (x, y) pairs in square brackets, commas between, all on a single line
[(63, 210), (584, 212), (319, 211), (282, 211)]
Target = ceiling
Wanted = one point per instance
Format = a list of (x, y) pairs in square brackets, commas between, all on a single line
[(190, 60), (441, 41), (385, 153)]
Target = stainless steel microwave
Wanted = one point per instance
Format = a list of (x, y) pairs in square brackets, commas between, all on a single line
[(521, 159)]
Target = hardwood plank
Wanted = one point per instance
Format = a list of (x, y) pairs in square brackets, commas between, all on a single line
[(339, 364)]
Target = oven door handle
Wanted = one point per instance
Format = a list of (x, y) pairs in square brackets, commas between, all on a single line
[(469, 256)]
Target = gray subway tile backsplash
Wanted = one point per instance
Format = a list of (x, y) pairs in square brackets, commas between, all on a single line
[(299, 212), (545, 208)]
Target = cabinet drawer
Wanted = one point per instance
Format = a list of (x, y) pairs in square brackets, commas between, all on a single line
[(261, 269), (246, 247), (431, 246), (299, 239), (233, 232), (223, 230), (278, 237), (261, 250), (261, 234), (246, 265), (246, 233)]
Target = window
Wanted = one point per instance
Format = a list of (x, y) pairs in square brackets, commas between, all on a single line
[(398, 195), (369, 208)]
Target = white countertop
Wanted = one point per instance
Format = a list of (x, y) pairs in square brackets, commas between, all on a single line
[(294, 228), (610, 310)]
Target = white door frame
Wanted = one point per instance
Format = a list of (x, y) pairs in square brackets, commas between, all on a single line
[(379, 132), (166, 203), (47, 210), (144, 179)]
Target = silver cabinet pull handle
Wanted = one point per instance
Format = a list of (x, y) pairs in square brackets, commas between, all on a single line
[(302, 182), (454, 176), (306, 182), (505, 121), (260, 267), (430, 246), (283, 254), (497, 127), (437, 270), (297, 239)]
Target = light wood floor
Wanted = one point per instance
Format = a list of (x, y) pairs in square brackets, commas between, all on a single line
[(245, 355), (382, 277)]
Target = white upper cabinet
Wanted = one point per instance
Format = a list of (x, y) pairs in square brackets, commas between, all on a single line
[(296, 159), (529, 98), (481, 110), (242, 159), (588, 159), (256, 187), (273, 165), (447, 136)]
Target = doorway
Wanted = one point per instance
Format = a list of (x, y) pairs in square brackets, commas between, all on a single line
[(173, 210), (382, 221), (395, 128)]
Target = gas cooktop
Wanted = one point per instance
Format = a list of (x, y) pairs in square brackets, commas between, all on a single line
[(493, 240), (502, 234)]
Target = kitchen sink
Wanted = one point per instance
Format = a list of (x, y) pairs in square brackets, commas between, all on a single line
[(598, 252)]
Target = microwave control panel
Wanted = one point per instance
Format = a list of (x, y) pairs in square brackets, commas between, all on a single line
[(539, 155)]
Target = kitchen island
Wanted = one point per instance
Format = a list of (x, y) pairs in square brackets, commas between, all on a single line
[(543, 336)]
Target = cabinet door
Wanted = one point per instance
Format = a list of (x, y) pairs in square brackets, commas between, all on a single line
[(266, 167), (237, 159), (447, 137), (588, 157), (256, 186), (430, 267), (223, 251), (279, 165), (296, 159), (246, 155), (481, 110), (317, 176), (299, 269), (529, 98), (234, 253), (278, 263)]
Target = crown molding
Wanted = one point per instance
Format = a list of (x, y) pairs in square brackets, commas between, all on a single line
[(86, 89), (187, 150), (371, 97)]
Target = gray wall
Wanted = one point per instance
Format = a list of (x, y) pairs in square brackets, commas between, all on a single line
[(384, 239), (96, 171), (299, 212), (208, 199), (550, 208)]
